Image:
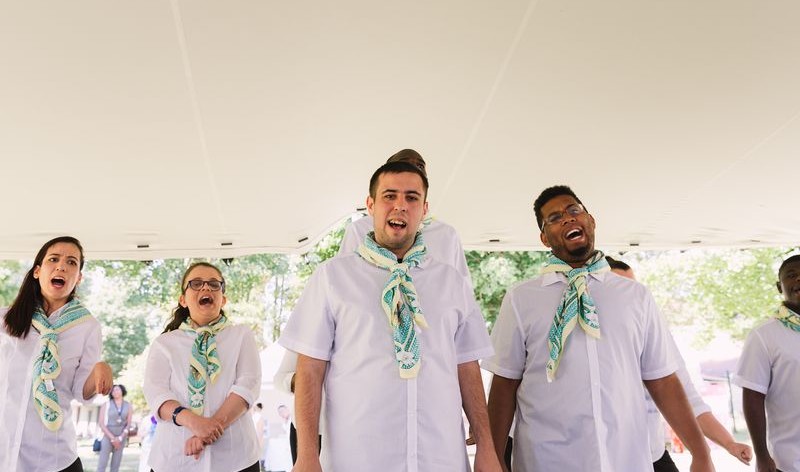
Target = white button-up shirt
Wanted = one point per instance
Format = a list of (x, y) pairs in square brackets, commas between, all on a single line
[(770, 364), (25, 444), (166, 378), (593, 415), (372, 419), (441, 241)]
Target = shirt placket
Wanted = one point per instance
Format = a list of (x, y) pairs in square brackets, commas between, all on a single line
[(412, 432), (597, 403)]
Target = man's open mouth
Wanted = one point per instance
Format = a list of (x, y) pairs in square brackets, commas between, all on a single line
[(397, 224), (574, 234)]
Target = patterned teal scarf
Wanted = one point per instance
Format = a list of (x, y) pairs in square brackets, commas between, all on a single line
[(204, 365), (789, 318), (399, 299), (47, 366), (576, 307)]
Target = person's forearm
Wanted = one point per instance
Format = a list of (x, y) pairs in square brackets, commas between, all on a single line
[(474, 402), (308, 395), (713, 430), (232, 408), (667, 392), (502, 405), (756, 418)]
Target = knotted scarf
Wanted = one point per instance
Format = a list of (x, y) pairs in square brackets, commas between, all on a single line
[(204, 364), (576, 307), (399, 299), (47, 366), (789, 318)]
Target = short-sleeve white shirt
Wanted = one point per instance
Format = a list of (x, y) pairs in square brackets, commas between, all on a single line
[(25, 444), (166, 378), (770, 364), (372, 419), (441, 241), (593, 415)]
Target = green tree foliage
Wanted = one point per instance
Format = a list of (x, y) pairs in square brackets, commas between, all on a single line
[(494, 272), (11, 273), (714, 290)]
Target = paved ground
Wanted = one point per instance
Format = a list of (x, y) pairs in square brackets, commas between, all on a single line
[(130, 458)]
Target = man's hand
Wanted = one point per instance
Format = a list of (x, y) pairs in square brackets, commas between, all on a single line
[(766, 465), (194, 447), (487, 462), (310, 465), (701, 463), (743, 452)]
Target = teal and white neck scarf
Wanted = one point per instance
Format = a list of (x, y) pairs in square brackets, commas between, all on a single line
[(47, 366), (789, 318), (204, 364), (399, 299), (576, 307)]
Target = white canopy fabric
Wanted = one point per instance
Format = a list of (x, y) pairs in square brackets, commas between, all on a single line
[(155, 129)]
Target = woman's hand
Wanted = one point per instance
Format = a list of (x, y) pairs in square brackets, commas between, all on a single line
[(194, 447), (207, 430)]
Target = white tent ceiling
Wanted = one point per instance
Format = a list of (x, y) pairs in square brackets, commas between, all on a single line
[(226, 128)]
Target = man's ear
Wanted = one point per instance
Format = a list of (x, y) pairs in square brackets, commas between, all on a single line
[(780, 289), (543, 238), (370, 205)]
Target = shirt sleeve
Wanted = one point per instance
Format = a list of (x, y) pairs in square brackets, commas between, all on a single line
[(90, 355), (754, 369), (658, 358), (509, 345), (472, 339), (285, 372), (247, 383), (352, 236), (699, 406), (311, 327), (156, 377)]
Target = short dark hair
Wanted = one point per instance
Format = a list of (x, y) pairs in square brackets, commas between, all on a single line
[(615, 264), (549, 194), (788, 261), (397, 167), (408, 155), (121, 387)]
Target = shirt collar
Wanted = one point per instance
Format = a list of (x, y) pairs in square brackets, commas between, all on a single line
[(551, 278)]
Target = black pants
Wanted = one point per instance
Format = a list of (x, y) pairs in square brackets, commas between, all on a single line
[(665, 464), (76, 466), (293, 442), (509, 451), (253, 468)]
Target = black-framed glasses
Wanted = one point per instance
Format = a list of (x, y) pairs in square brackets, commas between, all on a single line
[(213, 285), (554, 218)]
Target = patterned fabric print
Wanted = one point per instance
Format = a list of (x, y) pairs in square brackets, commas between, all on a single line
[(399, 300), (47, 366), (204, 365), (789, 318), (576, 307)]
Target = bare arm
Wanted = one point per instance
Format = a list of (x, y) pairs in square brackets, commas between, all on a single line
[(231, 409), (502, 405), (308, 396), (756, 418), (474, 403), (713, 430), (668, 394)]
